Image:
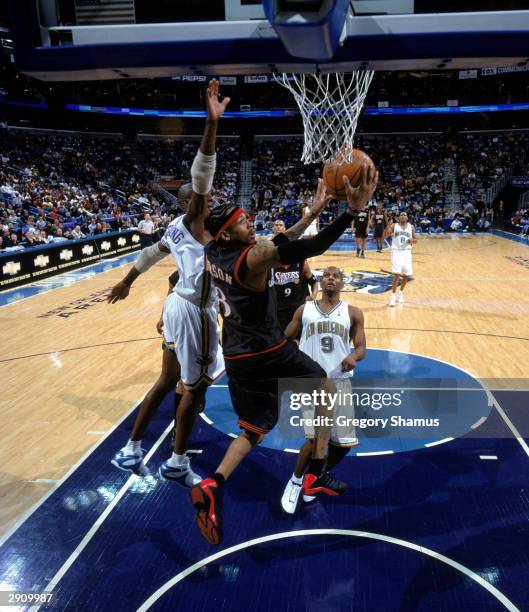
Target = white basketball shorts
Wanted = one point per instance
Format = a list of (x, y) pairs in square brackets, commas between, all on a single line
[(193, 334), (401, 262)]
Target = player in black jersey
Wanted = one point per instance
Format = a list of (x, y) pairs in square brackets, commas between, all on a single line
[(292, 283), (379, 222), (256, 351), (359, 227)]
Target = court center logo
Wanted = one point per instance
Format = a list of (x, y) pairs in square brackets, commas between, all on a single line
[(363, 280)]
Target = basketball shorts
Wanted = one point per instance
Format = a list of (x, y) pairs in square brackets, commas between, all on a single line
[(343, 431), (361, 232), (401, 262), (193, 334), (312, 230), (253, 384), (378, 232)]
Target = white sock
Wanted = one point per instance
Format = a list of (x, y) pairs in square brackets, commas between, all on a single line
[(133, 446), (296, 480), (176, 460)]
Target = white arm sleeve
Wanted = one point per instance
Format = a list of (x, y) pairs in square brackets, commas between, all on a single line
[(148, 257), (202, 172)]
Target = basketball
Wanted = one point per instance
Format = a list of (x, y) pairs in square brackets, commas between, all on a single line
[(333, 173)]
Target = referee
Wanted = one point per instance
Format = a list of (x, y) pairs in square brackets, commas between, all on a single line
[(146, 229)]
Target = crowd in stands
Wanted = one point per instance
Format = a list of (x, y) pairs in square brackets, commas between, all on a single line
[(55, 188), (66, 187), (483, 158), (410, 168), (172, 157)]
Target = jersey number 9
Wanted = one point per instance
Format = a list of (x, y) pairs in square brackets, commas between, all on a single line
[(327, 344)]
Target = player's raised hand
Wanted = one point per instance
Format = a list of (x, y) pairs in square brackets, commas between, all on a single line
[(118, 292), (358, 197), (321, 199), (349, 363), (216, 108)]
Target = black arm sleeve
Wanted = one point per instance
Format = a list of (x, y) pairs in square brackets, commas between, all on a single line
[(298, 250), (280, 239)]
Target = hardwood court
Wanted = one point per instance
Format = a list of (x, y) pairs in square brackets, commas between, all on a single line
[(72, 366)]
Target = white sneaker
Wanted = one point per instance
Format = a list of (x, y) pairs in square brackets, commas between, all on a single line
[(400, 297), (290, 498), (182, 474), (128, 461), (392, 300)]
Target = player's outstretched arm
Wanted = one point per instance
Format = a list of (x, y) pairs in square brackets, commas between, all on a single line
[(146, 259), (358, 339), (294, 327), (203, 168), (311, 279)]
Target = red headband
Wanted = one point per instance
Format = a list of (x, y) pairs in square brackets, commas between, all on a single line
[(234, 215)]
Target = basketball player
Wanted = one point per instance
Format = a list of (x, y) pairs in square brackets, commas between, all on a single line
[(256, 351), (359, 227), (291, 283), (379, 222), (401, 264), (328, 327), (190, 328)]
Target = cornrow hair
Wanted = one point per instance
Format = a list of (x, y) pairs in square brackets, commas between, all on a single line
[(218, 217)]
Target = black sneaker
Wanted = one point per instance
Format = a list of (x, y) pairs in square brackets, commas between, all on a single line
[(325, 483), (207, 499)]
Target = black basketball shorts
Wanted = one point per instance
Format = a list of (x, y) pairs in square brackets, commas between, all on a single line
[(253, 384)]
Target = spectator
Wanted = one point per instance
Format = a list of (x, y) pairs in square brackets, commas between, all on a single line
[(77, 234)]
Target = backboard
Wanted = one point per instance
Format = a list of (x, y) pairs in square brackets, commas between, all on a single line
[(372, 34)]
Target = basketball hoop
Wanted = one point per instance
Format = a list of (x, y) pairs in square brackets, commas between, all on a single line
[(330, 105)]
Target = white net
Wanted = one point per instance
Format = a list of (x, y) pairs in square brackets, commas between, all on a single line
[(330, 105)]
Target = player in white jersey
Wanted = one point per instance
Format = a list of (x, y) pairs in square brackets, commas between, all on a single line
[(401, 264), (190, 327), (314, 227), (329, 327)]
